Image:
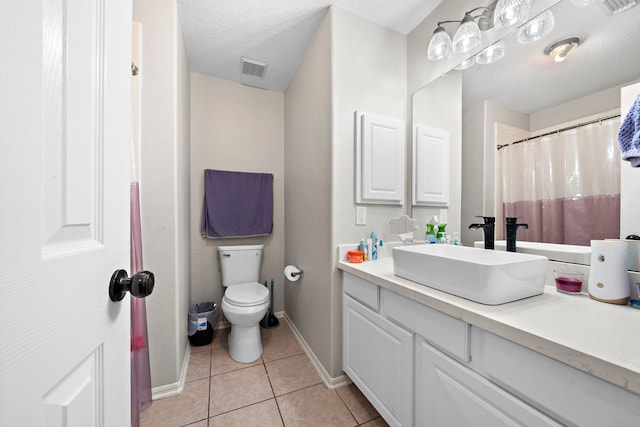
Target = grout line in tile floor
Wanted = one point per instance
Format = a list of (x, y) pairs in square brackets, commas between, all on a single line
[(292, 394)]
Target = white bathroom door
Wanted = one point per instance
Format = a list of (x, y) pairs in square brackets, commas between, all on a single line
[(65, 130)]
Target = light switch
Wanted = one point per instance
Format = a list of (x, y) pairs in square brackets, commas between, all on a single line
[(361, 215)]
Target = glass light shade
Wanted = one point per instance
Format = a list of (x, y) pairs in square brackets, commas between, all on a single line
[(537, 28), (510, 12), (491, 54), (440, 45), (467, 36), (465, 64)]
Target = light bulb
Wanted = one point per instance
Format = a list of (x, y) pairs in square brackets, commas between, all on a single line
[(491, 54), (510, 12), (440, 45), (536, 28), (467, 35), (465, 64)]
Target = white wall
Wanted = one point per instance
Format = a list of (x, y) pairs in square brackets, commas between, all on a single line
[(351, 64), (596, 103), (369, 74), (164, 184), (237, 128), (308, 194)]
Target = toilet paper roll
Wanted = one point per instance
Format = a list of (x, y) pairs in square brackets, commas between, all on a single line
[(292, 273)]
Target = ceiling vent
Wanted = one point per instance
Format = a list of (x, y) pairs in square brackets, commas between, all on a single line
[(611, 7), (252, 67)]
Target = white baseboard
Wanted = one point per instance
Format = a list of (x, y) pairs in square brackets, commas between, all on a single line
[(329, 381), (176, 388)]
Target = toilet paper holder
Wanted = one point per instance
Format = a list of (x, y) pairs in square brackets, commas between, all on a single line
[(293, 273)]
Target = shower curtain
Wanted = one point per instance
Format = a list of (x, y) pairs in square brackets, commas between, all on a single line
[(140, 370), (565, 186)]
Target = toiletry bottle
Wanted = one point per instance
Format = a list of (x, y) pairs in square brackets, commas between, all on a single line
[(374, 246), (381, 253), (441, 235), (430, 235), (363, 248), (369, 249)]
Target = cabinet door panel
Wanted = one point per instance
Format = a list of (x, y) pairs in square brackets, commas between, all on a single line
[(449, 394), (378, 357), (380, 159)]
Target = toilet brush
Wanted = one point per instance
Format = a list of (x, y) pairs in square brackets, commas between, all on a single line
[(270, 320)]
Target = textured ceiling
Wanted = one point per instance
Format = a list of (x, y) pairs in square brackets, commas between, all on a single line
[(218, 33)]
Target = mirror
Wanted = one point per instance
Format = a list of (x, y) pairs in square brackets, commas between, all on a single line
[(528, 82)]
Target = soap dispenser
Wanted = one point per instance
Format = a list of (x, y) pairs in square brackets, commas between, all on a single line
[(430, 235), (432, 230), (608, 277), (441, 235)]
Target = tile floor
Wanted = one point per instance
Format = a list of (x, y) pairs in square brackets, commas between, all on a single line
[(282, 388)]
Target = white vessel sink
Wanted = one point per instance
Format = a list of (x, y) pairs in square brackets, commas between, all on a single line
[(480, 275)]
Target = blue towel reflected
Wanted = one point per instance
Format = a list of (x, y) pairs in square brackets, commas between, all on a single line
[(237, 204), (629, 135)]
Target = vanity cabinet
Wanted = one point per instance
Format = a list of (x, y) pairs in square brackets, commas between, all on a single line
[(419, 366), (378, 357), (447, 393)]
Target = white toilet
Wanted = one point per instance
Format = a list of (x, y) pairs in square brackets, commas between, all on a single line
[(245, 301)]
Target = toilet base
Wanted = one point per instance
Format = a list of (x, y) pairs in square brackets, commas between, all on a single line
[(245, 344)]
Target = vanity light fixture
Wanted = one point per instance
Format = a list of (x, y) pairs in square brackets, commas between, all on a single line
[(440, 44), (510, 12), (491, 54), (466, 37), (536, 28), (560, 49), (465, 64)]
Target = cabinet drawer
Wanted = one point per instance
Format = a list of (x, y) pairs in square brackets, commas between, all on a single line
[(361, 290), (572, 396), (441, 330)]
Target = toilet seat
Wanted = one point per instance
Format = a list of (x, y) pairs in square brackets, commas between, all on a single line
[(247, 294)]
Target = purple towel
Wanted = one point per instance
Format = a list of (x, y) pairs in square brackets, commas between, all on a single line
[(629, 135), (237, 204)]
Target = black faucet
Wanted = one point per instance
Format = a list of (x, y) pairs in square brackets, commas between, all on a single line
[(512, 229), (489, 230)]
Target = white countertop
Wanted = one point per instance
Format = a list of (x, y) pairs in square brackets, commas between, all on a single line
[(598, 338)]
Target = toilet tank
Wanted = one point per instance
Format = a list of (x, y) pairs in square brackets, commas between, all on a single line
[(239, 264)]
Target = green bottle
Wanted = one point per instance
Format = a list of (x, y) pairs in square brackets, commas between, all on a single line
[(430, 235), (441, 235)]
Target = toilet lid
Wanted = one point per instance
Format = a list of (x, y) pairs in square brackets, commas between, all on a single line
[(247, 294)]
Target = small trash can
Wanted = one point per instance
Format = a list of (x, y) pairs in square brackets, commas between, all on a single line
[(202, 317)]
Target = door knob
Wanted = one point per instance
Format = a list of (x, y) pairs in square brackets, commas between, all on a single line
[(140, 285)]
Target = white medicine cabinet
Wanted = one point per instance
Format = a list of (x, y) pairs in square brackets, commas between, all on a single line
[(380, 159), (430, 166)]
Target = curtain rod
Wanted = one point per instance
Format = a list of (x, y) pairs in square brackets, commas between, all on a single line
[(500, 147)]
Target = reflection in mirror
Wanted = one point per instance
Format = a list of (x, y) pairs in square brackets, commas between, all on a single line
[(438, 106), (527, 93)]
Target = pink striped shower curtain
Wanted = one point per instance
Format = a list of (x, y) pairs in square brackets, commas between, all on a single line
[(565, 186), (140, 371)]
